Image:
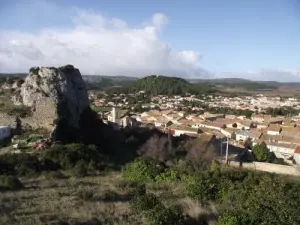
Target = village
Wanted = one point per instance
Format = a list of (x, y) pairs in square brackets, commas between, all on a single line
[(172, 115)]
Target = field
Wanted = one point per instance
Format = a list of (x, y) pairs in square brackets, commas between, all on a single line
[(99, 199)]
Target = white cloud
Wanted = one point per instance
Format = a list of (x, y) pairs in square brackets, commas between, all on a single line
[(97, 45), (267, 74)]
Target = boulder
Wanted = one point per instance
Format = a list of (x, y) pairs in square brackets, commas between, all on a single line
[(58, 97)]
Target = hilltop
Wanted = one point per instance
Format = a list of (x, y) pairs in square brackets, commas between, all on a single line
[(164, 85)]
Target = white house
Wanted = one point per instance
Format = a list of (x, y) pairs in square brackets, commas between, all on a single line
[(119, 118), (244, 135), (297, 155), (5, 132), (176, 130), (274, 129), (284, 150)]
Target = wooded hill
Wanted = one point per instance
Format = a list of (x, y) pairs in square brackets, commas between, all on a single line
[(163, 85)]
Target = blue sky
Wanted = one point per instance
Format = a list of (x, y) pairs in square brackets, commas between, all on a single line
[(223, 38)]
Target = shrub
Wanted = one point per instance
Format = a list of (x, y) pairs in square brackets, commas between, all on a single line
[(110, 195), (154, 211), (20, 164), (34, 138), (53, 175), (203, 187), (228, 220), (167, 176), (85, 194), (67, 157), (142, 170), (10, 183), (80, 170), (261, 152)]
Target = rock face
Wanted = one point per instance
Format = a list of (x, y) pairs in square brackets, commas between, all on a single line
[(58, 96)]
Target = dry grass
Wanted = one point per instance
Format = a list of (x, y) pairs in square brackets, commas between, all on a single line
[(90, 200)]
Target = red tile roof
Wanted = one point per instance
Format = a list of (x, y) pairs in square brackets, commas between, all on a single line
[(297, 150)]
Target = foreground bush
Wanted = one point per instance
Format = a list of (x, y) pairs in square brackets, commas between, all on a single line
[(20, 164), (10, 183), (68, 156), (142, 170), (149, 206), (167, 176), (247, 197)]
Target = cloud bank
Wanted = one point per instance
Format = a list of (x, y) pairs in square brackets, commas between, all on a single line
[(96, 45), (281, 75)]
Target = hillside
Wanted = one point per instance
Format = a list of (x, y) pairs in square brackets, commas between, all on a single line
[(126, 84), (163, 85), (95, 82)]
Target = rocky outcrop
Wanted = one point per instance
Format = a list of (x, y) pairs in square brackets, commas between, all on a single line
[(58, 96)]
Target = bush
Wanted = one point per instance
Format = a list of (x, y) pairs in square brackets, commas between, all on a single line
[(85, 194), (34, 138), (53, 175), (68, 156), (154, 211), (228, 220), (10, 183), (261, 152), (110, 195), (20, 164), (142, 170), (80, 170), (167, 176), (203, 187)]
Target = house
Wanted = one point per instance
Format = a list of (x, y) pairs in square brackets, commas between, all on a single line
[(177, 130), (211, 117), (257, 118), (263, 125), (161, 121), (281, 149), (120, 118), (228, 132), (260, 118), (244, 135), (274, 129), (245, 124), (297, 155), (213, 126), (226, 122)]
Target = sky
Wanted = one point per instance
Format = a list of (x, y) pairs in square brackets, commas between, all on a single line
[(258, 40)]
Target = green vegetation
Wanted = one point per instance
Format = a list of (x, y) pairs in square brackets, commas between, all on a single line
[(141, 177), (7, 106), (10, 183), (75, 157), (163, 85), (284, 111), (261, 152), (149, 206), (251, 86), (104, 82), (142, 170), (242, 197)]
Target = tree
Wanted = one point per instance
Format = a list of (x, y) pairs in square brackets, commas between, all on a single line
[(234, 125), (261, 152), (157, 147)]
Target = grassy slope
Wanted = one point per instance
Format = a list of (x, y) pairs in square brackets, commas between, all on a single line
[(51, 201)]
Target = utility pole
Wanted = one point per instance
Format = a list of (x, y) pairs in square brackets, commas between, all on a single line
[(221, 148), (227, 152), (227, 145)]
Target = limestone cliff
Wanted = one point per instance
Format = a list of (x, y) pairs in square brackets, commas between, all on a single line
[(58, 96)]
